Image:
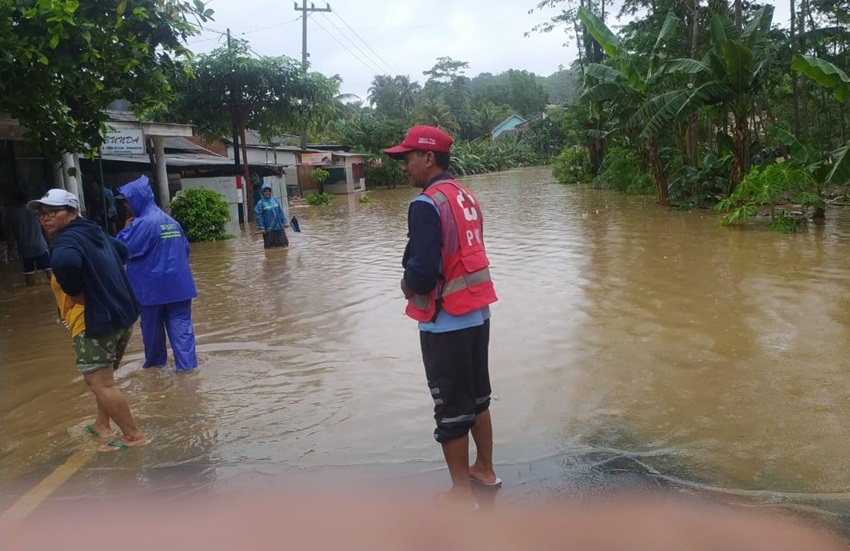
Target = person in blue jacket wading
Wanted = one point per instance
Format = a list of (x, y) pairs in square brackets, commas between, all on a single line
[(271, 220), (159, 271)]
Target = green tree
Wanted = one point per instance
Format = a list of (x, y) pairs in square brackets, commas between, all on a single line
[(64, 61), (628, 88), (446, 70), (519, 90), (435, 112), (733, 73), (268, 92)]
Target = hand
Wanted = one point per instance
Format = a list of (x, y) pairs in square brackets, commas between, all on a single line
[(263, 232), (129, 221), (286, 225), (406, 290)]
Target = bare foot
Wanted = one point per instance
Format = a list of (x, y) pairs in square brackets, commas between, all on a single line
[(123, 443)]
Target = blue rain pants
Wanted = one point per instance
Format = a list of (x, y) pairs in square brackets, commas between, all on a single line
[(176, 319)]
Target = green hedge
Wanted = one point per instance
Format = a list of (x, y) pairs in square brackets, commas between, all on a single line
[(203, 213)]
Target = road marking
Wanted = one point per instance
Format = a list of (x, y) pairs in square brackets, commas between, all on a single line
[(32, 499)]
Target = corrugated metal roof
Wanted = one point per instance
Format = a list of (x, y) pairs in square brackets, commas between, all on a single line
[(173, 159), (182, 144)]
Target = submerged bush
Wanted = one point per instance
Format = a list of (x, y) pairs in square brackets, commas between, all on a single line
[(572, 166), (203, 213), (622, 172), (766, 187), (319, 199)]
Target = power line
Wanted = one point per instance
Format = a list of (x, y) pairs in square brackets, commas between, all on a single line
[(390, 67), (343, 46), (278, 25), (345, 36)]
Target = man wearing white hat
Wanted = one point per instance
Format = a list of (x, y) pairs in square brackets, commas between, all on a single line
[(97, 304)]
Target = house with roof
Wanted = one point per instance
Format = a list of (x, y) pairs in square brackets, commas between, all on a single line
[(296, 166), (506, 125)]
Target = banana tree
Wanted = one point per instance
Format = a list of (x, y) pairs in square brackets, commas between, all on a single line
[(732, 74), (829, 76), (626, 87)]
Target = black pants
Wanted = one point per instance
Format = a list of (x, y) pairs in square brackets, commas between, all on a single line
[(458, 376), (275, 238)]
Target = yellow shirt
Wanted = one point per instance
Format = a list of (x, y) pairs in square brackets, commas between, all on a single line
[(70, 312)]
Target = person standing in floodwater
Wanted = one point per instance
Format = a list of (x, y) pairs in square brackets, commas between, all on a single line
[(97, 305), (271, 219), (158, 267), (24, 231), (448, 288)]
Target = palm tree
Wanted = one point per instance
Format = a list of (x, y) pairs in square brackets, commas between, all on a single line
[(487, 116), (382, 93), (434, 112), (407, 92)]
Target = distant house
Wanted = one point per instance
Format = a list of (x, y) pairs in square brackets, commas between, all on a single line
[(508, 124)]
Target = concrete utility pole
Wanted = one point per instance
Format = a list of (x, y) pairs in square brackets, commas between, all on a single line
[(304, 11)]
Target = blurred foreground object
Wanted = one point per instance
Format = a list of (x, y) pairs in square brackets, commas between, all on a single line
[(362, 521)]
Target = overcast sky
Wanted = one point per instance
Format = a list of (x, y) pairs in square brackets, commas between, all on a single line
[(362, 38)]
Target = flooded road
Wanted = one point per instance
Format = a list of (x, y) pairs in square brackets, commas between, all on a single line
[(627, 339)]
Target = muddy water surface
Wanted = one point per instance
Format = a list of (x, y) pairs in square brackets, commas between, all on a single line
[(626, 338)]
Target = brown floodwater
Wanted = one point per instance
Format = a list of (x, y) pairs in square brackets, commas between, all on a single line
[(627, 340)]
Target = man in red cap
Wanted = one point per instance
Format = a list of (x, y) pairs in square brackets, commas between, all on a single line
[(448, 288)]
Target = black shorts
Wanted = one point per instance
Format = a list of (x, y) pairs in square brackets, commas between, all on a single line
[(458, 376)]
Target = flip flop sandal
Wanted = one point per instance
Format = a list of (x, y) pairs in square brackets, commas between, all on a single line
[(91, 431), (496, 484), (115, 445)]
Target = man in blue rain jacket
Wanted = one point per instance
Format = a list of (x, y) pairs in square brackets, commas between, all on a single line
[(271, 219), (159, 272)]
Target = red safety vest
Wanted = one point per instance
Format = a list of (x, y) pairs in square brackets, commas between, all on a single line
[(466, 285)]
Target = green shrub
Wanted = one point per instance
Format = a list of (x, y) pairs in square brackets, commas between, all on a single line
[(319, 175), (766, 187), (622, 172), (319, 199), (572, 166), (389, 174), (203, 213)]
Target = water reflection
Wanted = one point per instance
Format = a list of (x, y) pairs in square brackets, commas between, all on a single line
[(626, 339)]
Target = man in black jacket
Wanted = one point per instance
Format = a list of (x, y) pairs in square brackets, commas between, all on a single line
[(88, 267)]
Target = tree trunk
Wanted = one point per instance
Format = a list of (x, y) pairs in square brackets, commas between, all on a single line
[(794, 88), (803, 84), (246, 169), (739, 19), (692, 140), (659, 176), (741, 156)]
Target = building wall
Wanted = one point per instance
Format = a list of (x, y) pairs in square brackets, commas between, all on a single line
[(352, 183)]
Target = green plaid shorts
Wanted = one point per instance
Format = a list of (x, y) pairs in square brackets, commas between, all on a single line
[(95, 353)]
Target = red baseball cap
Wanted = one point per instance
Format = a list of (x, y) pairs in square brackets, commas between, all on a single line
[(422, 138)]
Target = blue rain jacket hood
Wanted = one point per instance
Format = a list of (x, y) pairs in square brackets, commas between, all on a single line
[(158, 261), (269, 212)]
